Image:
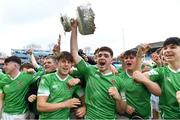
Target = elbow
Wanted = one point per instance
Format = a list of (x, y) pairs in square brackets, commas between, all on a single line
[(157, 92), (40, 107)]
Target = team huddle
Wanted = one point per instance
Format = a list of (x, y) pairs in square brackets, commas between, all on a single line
[(67, 86)]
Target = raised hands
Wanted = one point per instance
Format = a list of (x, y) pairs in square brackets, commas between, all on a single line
[(30, 52), (74, 24), (142, 49), (57, 47)]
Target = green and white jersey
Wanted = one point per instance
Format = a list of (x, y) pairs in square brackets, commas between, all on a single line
[(169, 81), (137, 95), (57, 90), (14, 90), (98, 102)]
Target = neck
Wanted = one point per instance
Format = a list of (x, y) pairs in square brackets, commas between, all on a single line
[(130, 72), (175, 65), (106, 71), (14, 73), (62, 76)]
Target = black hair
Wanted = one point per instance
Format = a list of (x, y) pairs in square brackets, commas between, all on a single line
[(81, 53), (172, 40), (107, 49), (13, 59), (96, 51), (65, 55), (26, 65), (53, 57), (130, 52)]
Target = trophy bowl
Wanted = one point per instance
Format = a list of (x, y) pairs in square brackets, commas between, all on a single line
[(65, 21), (85, 18)]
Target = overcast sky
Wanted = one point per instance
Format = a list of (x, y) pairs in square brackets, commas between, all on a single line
[(120, 24)]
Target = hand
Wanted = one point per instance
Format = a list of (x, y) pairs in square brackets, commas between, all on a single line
[(73, 102), (114, 93), (138, 76), (74, 24), (32, 98), (129, 109), (56, 48), (31, 71), (142, 49), (155, 57), (30, 52), (178, 96), (80, 112), (113, 69), (121, 57), (73, 82)]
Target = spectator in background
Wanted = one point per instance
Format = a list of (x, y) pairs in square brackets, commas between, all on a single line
[(50, 65), (86, 58), (31, 94)]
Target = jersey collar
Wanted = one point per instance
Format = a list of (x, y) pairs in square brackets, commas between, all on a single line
[(174, 71), (128, 74), (61, 78), (15, 76)]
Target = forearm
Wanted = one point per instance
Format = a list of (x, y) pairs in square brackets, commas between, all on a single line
[(50, 107), (120, 106), (33, 60), (152, 87), (74, 45)]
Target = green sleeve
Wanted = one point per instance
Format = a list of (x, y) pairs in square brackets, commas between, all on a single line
[(40, 72), (156, 74), (83, 67), (43, 89)]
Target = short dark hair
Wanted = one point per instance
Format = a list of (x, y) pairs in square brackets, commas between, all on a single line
[(26, 65), (172, 40), (107, 49), (96, 51), (130, 52), (53, 57), (13, 59), (65, 55), (81, 53)]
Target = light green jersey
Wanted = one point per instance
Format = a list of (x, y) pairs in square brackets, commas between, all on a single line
[(15, 89), (169, 81), (57, 91), (98, 102), (137, 95)]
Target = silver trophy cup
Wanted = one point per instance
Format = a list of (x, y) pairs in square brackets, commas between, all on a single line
[(85, 18)]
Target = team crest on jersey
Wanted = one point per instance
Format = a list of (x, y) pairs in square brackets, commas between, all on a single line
[(113, 81)]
